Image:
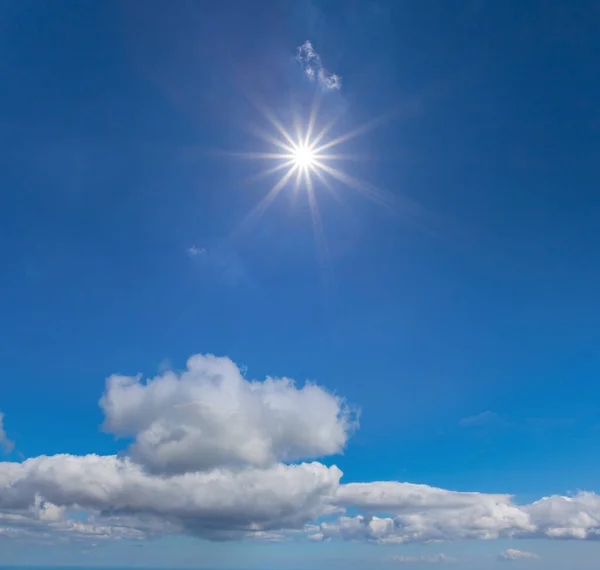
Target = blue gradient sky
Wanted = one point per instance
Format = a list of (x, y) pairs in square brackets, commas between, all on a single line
[(466, 334)]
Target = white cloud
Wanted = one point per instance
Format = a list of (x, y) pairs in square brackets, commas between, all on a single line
[(512, 554), (195, 251), (403, 512), (397, 497), (567, 517), (6, 444), (313, 67), (209, 458), (211, 416), (214, 504), (396, 512), (426, 558)]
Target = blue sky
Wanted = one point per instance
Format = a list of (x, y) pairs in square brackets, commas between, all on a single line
[(460, 317)]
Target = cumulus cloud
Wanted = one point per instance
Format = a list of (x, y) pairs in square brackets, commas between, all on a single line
[(512, 554), (403, 512), (6, 445), (214, 455), (214, 504), (211, 416), (567, 517), (400, 513), (427, 559), (396, 512), (314, 70)]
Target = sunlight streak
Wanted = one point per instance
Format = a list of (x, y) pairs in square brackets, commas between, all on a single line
[(266, 201), (319, 233), (363, 187), (267, 137), (304, 160), (311, 121), (365, 128), (267, 172)]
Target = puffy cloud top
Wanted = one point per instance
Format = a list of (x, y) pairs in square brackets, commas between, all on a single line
[(211, 416)]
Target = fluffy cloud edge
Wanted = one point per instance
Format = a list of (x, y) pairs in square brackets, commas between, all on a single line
[(210, 415)]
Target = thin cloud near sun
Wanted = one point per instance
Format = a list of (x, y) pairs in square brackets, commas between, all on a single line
[(314, 69)]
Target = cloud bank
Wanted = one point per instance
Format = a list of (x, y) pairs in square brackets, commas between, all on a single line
[(215, 455), (314, 70)]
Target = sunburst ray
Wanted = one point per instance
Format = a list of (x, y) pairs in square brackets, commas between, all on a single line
[(309, 161)]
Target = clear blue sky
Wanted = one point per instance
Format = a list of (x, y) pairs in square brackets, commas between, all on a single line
[(464, 329)]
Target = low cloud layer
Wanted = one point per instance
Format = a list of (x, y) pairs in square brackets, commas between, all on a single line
[(314, 70), (512, 554), (425, 559), (216, 504), (214, 455)]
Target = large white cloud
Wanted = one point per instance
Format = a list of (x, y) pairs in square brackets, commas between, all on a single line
[(209, 458), (567, 517), (211, 416), (215, 504)]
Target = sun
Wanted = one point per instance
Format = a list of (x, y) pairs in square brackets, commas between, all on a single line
[(307, 160), (303, 156)]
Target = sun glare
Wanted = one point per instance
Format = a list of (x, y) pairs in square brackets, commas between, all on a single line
[(303, 156), (306, 162)]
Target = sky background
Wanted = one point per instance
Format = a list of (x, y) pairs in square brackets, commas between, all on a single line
[(466, 333)]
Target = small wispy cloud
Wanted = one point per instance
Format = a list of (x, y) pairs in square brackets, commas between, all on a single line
[(221, 261), (425, 559), (6, 444), (484, 419), (314, 69), (511, 554), (491, 420), (195, 251)]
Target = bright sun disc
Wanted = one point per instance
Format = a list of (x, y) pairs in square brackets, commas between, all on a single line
[(303, 157)]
